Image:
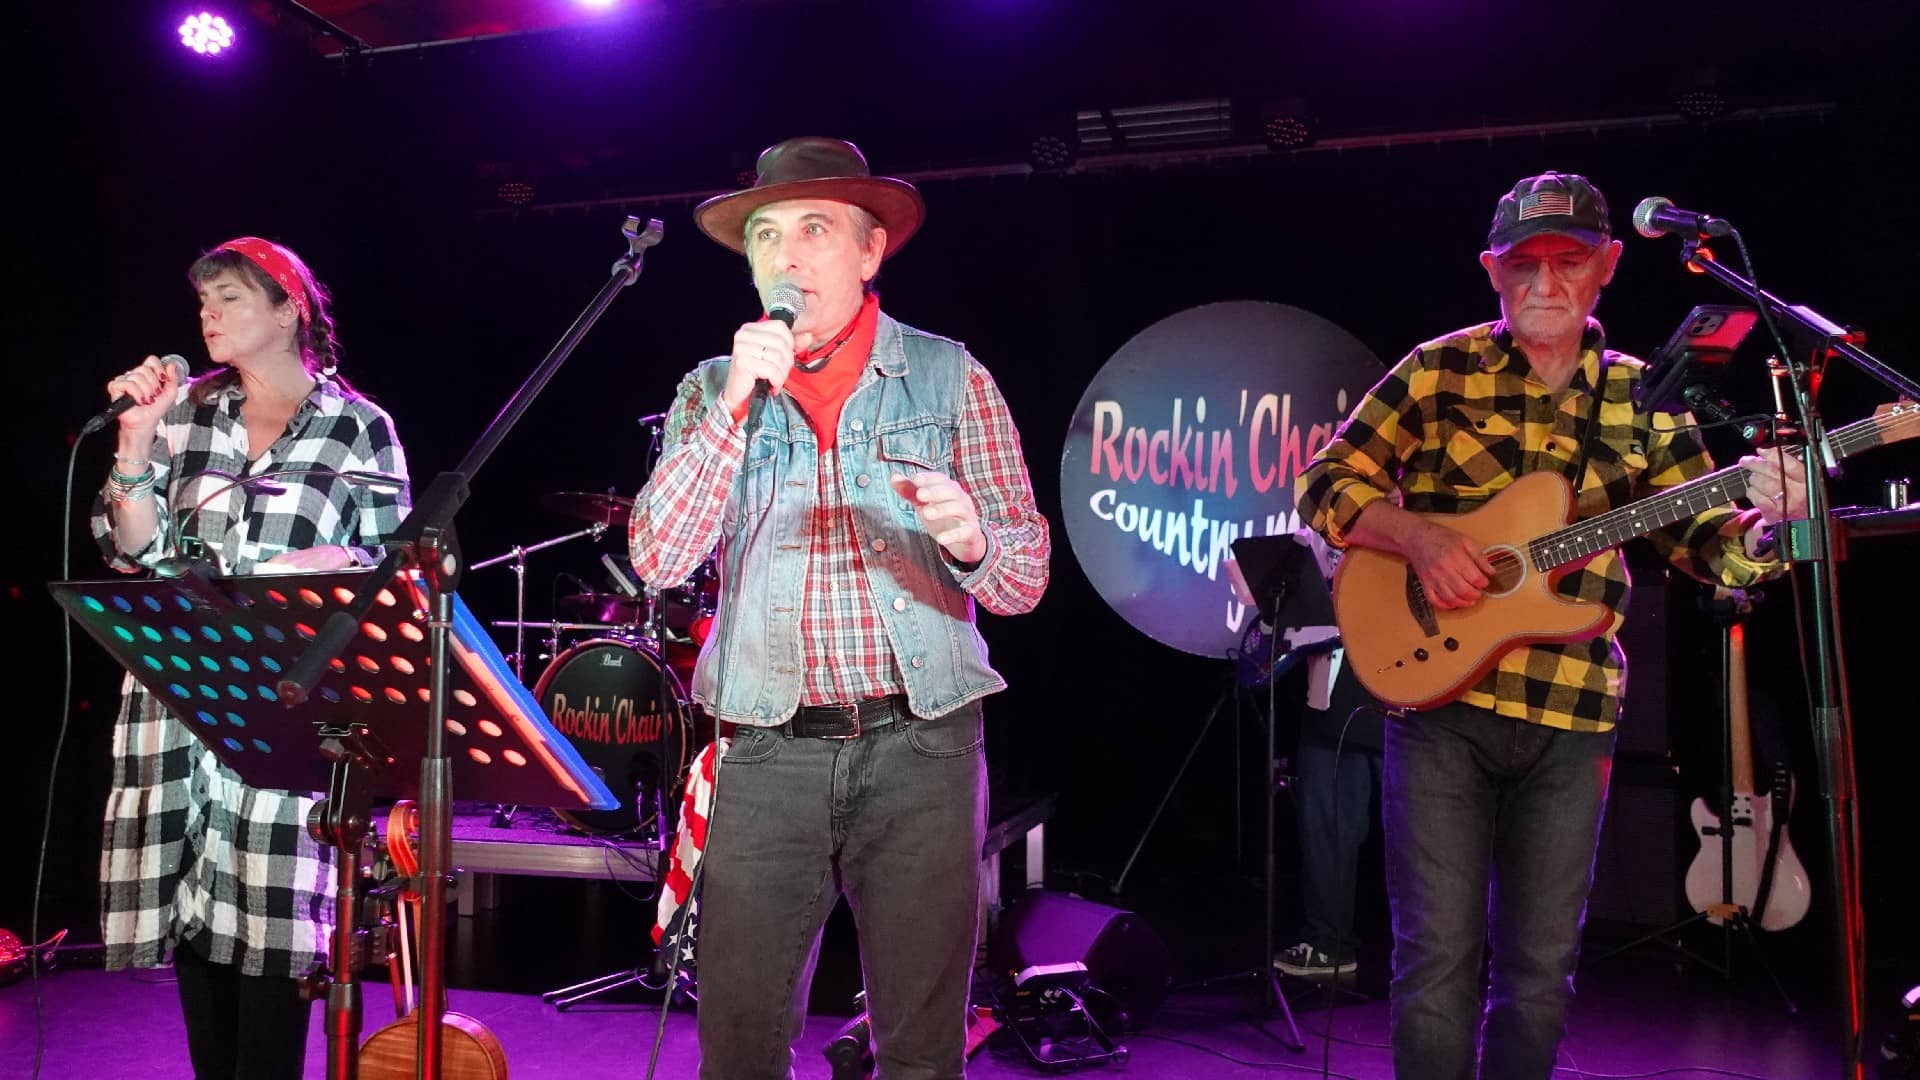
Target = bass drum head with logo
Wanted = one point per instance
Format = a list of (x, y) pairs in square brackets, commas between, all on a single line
[(626, 715)]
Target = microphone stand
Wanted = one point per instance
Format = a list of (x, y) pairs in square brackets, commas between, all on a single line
[(1816, 542), (426, 543)]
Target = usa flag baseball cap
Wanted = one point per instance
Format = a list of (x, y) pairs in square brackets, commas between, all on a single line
[(1554, 202)]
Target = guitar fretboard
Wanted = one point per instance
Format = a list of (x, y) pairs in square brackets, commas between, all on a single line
[(1615, 527)]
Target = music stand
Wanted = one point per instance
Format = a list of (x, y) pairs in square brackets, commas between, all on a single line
[(1278, 577), (212, 651)]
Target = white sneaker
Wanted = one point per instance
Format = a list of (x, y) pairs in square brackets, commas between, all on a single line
[(1306, 962)]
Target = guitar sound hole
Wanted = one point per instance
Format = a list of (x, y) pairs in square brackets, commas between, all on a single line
[(1509, 570)]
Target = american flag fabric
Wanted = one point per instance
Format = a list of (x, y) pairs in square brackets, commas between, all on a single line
[(1457, 420), (676, 902), (1541, 204)]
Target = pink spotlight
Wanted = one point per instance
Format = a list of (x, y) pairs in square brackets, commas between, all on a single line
[(206, 33)]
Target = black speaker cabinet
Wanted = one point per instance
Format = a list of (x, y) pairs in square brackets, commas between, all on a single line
[(1639, 870), (1126, 960)]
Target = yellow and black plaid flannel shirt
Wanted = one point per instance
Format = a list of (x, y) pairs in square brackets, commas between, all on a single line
[(1457, 420)]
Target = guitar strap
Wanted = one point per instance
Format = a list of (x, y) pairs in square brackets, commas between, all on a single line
[(1592, 429)]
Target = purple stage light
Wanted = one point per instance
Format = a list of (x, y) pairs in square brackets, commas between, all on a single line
[(206, 33)]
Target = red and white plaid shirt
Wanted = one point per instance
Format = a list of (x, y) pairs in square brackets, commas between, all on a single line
[(844, 650)]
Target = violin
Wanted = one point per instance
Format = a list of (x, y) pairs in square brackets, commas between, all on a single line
[(468, 1051)]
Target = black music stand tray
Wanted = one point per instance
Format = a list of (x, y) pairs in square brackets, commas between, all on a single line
[(213, 651)]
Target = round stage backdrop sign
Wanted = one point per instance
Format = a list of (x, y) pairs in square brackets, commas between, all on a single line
[(1190, 438)]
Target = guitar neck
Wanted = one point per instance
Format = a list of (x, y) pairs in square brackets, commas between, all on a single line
[(1583, 539), (1739, 732)]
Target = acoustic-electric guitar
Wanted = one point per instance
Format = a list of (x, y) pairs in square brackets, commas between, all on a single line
[(1410, 654)]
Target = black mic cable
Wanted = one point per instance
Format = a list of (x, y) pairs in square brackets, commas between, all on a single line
[(120, 405)]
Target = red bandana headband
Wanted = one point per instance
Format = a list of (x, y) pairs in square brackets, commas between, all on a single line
[(268, 256)]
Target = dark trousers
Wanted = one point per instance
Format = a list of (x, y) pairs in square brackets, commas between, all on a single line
[(1491, 826), (1333, 807), (894, 820), (240, 1027)]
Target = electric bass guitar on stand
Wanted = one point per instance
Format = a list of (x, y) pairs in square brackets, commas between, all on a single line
[(1410, 654), (1764, 861)]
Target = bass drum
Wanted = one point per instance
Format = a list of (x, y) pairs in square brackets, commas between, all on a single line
[(627, 715)]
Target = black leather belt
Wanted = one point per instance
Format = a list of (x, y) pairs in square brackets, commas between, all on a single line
[(846, 721)]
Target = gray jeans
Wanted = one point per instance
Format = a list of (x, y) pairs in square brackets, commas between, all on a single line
[(895, 820)]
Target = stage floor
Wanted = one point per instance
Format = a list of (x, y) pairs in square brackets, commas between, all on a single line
[(123, 1025)]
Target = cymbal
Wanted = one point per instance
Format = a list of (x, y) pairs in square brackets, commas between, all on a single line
[(611, 510), (597, 607)]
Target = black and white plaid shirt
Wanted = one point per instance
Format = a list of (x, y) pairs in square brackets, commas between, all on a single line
[(189, 851)]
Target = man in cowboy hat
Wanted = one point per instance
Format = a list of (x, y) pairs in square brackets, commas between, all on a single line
[(864, 484)]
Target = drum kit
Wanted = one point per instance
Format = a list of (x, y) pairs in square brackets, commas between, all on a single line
[(617, 668)]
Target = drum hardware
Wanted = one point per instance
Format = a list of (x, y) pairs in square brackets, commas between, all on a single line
[(518, 556), (622, 707), (608, 510), (619, 696), (599, 607)]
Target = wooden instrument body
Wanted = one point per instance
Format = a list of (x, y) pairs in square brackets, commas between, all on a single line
[(468, 1051), (1409, 654)]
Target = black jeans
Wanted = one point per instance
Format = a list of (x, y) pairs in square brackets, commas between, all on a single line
[(894, 820), (240, 1027), (1333, 806)]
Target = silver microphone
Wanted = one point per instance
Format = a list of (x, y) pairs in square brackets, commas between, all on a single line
[(1656, 217), (785, 302)]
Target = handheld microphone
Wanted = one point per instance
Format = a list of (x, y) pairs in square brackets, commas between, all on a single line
[(785, 302), (1656, 217), (125, 401)]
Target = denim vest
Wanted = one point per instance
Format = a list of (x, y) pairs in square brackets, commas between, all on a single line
[(899, 420)]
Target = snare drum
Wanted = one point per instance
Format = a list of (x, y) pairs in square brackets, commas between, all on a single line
[(627, 715)]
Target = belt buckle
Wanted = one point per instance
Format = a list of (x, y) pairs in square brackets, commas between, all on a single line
[(852, 711)]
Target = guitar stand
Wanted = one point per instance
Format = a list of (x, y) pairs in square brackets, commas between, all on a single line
[(1727, 610)]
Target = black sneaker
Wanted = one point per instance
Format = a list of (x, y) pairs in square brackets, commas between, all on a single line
[(1306, 962)]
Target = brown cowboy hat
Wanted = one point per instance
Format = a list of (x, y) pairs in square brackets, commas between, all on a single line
[(810, 167)]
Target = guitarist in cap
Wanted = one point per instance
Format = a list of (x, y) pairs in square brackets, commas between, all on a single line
[(1492, 801)]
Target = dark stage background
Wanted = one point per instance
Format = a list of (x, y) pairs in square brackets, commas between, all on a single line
[(132, 157)]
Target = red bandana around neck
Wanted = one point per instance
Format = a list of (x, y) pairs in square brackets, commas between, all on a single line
[(821, 394)]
